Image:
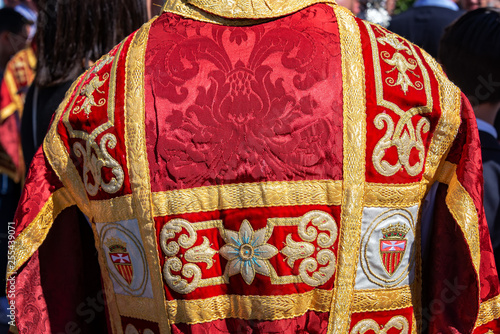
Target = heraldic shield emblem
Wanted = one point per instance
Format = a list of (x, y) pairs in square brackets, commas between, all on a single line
[(121, 258), (393, 246)]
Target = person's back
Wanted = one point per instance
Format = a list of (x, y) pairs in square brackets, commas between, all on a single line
[(265, 176), (424, 23)]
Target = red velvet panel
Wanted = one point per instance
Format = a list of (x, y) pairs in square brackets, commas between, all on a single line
[(232, 220), (382, 319), (244, 104)]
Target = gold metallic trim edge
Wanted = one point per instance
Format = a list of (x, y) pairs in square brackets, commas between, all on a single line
[(138, 167), (378, 300), (247, 195), (10, 82), (136, 307), (488, 311), (394, 195), (264, 308), (222, 12), (59, 159), (32, 237), (449, 122), (113, 210), (354, 128), (446, 172), (464, 211)]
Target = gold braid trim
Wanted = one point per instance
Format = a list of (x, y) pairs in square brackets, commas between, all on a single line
[(32, 237), (462, 208), (378, 300), (354, 128), (236, 12), (138, 168), (488, 311), (266, 308)]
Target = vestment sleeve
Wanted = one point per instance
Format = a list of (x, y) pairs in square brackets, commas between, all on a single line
[(52, 267), (460, 283)]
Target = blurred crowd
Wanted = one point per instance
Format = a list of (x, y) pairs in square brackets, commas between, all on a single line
[(46, 44)]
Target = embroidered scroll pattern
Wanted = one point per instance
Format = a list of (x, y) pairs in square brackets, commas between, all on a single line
[(248, 251), (403, 135), (399, 322), (95, 158), (304, 249), (187, 239)]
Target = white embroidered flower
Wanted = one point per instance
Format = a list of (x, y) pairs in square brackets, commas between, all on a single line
[(247, 252)]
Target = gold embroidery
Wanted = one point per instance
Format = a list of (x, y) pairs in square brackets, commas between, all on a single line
[(399, 322), (397, 136), (464, 211), (399, 62), (95, 158), (247, 195), (354, 134), (32, 237), (378, 300), (87, 92), (247, 252), (446, 172), (137, 165), (449, 122), (488, 311), (404, 135), (248, 307), (220, 11), (394, 196), (171, 249), (302, 250)]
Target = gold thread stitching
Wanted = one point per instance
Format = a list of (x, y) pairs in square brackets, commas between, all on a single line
[(398, 322), (248, 307), (138, 167), (488, 311), (379, 300), (354, 128)]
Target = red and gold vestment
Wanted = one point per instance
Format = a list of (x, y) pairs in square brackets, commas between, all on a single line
[(262, 166), (18, 76)]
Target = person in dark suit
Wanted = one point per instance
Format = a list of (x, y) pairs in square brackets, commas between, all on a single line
[(424, 23), (469, 52)]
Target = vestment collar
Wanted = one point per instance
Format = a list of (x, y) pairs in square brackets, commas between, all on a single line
[(245, 11)]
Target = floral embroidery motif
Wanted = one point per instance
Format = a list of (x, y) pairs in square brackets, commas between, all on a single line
[(399, 322), (247, 252), (88, 90), (399, 62), (304, 250), (203, 253)]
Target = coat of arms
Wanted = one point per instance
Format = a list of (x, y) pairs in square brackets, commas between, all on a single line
[(121, 258), (393, 246)]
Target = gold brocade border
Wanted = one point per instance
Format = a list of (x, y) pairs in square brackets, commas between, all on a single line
[(136, 307), (446, 172), (9, 80), (7, 111), (247, 195), (488, 311), (226, 11), (59, 159), (354, 132), (113, 210), (449, 122), (138, 167), (249, 307), (462, 208), (394, 195), (30, 239), (377, 300)]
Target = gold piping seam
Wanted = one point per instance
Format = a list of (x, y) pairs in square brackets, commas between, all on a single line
[(138, 167), (354, 118)]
